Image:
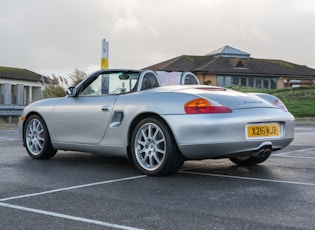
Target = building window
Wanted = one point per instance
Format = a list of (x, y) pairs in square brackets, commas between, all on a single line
[(220, 81), (243, 81), (258, 83), (266, 83), (236, 81), (251, 83), (247, 81), (223, 81), (273, 83)]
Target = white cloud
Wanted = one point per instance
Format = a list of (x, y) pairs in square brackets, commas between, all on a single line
[(62, 35)]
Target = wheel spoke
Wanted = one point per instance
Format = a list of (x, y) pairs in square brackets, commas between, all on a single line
[(151, 164), (38, 126), (145, 158), (39, 146), (150, 131), (155, 133), (41, 139), (35, 137), (159, 141), (141, 151), (34, 126), (142, 143), (160, 150), (30, 130), (156, 158), (144, 135), (36, 147)]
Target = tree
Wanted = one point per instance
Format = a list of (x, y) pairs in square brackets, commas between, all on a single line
[(56, 84), (77, 76), (208, 82), (54, 87)]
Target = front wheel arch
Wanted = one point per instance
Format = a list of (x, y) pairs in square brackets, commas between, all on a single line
[(24, 124), (46, 149)]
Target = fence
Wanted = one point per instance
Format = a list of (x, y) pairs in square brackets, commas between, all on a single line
[(9, 111)]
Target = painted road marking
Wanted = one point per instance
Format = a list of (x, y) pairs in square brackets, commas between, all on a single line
[(248, 178), (69, 188), (59, 215), (299, 157), (294, 151)]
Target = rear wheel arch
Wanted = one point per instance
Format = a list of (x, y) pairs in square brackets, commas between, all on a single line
[(153, 116), (133, 125), (140, 117)]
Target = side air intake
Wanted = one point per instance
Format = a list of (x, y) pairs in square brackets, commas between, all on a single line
[(117, 119)]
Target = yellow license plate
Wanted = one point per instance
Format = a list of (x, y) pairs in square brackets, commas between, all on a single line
[(263, 130)]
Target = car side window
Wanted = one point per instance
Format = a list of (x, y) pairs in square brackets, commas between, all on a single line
[(111, 83), (94, 88), (190, 79), (149, 81)]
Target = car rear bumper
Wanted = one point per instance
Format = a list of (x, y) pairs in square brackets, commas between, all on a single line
[(229, 149), (207, 136)]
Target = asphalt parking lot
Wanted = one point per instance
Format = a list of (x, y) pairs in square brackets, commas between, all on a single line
[(86, 191)]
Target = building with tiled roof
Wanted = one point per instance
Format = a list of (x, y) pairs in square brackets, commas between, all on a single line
[(229, 66), (19, 86)]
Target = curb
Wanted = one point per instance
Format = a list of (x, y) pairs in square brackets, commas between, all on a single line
[(305, 120)]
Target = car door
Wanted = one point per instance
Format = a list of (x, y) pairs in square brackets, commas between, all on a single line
[(83, 119)]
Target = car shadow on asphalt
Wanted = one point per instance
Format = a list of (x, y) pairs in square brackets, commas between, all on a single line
[(226, 167)]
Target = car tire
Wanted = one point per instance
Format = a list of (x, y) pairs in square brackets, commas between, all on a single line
[(263, 155), (153, 148), (37, 139)]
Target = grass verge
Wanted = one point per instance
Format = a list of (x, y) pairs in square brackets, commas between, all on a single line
[(299, 101)]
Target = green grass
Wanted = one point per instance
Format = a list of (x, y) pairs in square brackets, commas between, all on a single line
[(299, 101), (301, 108)]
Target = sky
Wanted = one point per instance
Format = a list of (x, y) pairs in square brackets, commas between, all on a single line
[(58, 36)]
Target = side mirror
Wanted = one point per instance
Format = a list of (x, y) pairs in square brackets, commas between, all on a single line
[(71, 91)]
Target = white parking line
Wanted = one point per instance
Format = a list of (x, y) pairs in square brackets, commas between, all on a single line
[(69, 188), (298, 157), (248, 178), (59, 215), (295, 151)]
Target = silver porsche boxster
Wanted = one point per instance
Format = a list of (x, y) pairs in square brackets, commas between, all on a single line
[(158, 120)]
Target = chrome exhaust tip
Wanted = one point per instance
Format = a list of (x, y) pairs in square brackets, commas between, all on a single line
[(263, 151)]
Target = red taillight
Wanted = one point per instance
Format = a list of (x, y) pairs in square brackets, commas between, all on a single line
[(201, 105), (280, 105)]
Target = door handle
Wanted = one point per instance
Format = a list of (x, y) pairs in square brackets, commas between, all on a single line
[(107, 108)]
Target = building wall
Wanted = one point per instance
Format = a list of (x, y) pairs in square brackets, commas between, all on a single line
[(14, 92), (207, 77), (280, 83)]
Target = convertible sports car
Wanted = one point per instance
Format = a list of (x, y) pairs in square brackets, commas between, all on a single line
[(158, 120)]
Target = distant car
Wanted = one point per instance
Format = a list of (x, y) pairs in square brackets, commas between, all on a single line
[(158, 120)]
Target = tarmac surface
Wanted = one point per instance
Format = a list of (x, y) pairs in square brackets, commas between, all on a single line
[(85, 191)]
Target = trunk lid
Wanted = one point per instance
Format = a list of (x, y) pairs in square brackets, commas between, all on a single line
[(229, 98)]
